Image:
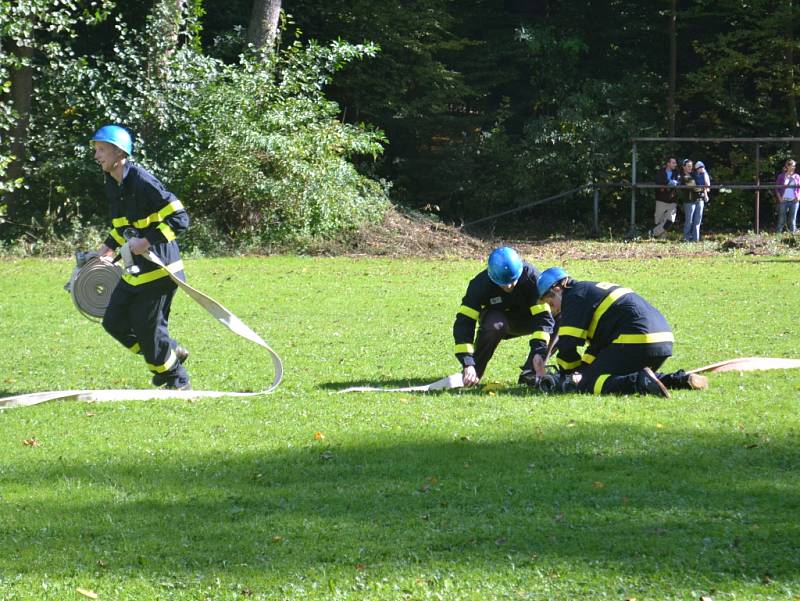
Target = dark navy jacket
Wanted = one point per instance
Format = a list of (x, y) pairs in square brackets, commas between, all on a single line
[(482, 293), (140, 206), (603, 314)]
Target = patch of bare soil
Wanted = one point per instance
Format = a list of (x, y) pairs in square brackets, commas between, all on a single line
[(409, 235), (402, 234)]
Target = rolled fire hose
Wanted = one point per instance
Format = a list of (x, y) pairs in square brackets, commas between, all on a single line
[(738, 364), (91, 287)]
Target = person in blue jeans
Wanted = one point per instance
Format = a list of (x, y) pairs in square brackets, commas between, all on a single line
[(688, 193), (693, 211), (787, 197)]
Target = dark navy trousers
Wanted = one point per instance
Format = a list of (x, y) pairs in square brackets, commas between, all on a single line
[(614, 369), (138, 318), (495, 326)]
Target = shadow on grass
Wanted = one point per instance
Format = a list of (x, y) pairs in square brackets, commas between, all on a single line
[(639, 501), (510, 389), (381, 383), (777, 260)]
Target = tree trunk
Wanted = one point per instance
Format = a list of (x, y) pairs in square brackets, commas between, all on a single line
[(673, 66), (169, 17), (791, 96), (21, 96), (167, 23), (262, 31)]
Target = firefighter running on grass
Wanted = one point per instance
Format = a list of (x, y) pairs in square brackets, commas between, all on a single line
[(503, 301), (146, 216), (627, 338)]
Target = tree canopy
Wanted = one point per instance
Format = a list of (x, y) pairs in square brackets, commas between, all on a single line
[(459, 108)]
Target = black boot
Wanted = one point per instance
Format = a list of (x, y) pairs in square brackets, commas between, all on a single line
[(648, 383), (680, 380), (182, 353)]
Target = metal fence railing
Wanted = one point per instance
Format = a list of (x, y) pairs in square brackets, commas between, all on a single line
[(595, 188)]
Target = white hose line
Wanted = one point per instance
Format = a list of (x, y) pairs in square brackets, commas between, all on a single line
[(99, 287), (738, 364), (748, 364)]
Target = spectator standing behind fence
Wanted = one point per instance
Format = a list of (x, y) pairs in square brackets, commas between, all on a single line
[(666, 199), (787, 197), (688, 193), (693, 209)]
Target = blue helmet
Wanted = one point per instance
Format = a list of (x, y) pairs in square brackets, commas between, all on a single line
[(115, 135), (505, 266), (549, 278)]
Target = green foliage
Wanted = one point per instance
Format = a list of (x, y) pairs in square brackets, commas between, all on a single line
[(489, 105), (485, 105), (47, 27), (409, 90), (470, 495), (272, 145), (254, 146)]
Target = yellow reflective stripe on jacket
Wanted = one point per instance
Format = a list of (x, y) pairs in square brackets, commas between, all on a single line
[(120, 221), (169, 234), (469, 312), (156, 274), (159, 216), (135, 348), (166, 366), (607, 302), (644, 338), (540, 308), (541, 336), (588, 359), (465, 348), (570, 331), (568, 365), (120, 240), (598, 383)]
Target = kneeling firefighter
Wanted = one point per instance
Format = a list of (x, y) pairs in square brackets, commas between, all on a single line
[(628, 339), (145, 216), (503, 301)]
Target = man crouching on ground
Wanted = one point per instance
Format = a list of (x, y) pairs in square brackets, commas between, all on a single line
[(503, 300), (628, 339)]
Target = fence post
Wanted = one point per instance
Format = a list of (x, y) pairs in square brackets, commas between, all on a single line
[(633, 191), (758, 192), (596, 210)]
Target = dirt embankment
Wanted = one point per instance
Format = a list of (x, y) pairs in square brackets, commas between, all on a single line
[(403, 234)]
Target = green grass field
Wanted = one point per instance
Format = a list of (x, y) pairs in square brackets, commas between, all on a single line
[(309, 494)]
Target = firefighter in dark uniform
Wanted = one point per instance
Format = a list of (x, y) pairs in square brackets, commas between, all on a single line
[(148, 217), (628, 339), (503, 300)]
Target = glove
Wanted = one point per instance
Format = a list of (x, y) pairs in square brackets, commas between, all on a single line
[(82, 258)]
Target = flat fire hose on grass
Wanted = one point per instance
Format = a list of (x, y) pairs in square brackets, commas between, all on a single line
[(91, 286), (739, 364)]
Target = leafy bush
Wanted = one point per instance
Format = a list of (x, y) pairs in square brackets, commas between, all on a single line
[(269, 142), (253, 149)]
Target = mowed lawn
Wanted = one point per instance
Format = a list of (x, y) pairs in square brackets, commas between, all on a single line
[(310, 494)]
